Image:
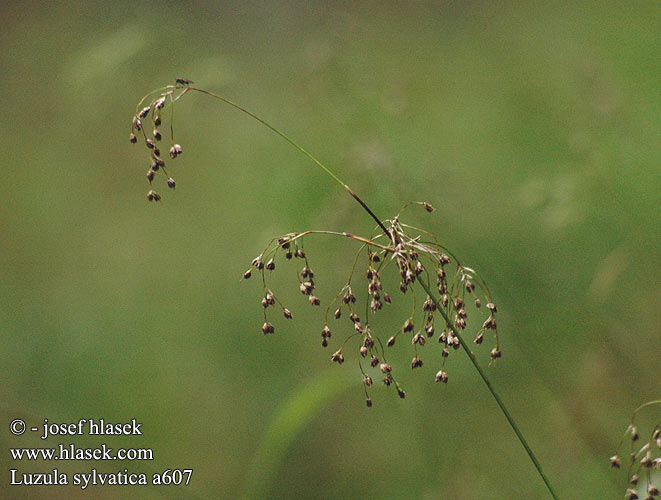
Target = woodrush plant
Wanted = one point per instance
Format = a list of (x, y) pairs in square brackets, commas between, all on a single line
[(643, 457), (449, 289)]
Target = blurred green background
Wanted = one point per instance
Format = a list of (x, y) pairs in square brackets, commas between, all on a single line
[(533, 127)]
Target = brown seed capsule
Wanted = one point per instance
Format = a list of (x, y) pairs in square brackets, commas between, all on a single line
[(258, 262), (157, 120), (287, 313), (408, 325), (314, 300), (401, 393), (157, 151), (495, 353), (416, 362), (173, 153), (270, 298), (368, 402), (634, 479), (430, 330), (367, 380), (363, 351), (444, 259), (441, 376), (149, 143), (158, 161), (267, 328), (478, 303), (492, 307), (171, 183), (247, 274), (480, 337), (144, 112), (324, 342), (153, 196), (159, 103), (270, 265), (306, 288), (157, 135), (150, 175), (386, 297), (631, 494), (391, 341), (137, 123), (265, 303), (133, 138), (326, 332), (445, 352), (652, 491), (289, 254), (385, 368), (338, 313), (178, 150), (374, 361), (337, 357), (418, 339)]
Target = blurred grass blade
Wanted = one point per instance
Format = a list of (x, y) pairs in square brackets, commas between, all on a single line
[(292, 417)]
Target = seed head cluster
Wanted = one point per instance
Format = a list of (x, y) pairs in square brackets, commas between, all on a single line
[(451, 292), (442, 292), (642, 461), (147, 126)]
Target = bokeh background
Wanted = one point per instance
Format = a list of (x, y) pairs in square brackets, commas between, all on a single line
[(533, 127)]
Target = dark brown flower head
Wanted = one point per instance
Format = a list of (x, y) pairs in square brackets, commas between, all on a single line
[(267, 328), (153, 196)]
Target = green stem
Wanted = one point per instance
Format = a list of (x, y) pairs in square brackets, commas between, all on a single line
[(493, 392), (301, 149)]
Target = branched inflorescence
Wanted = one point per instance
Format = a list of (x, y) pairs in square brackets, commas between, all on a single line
[(642, 459), (448, 291), (415, 256), (152, 109)]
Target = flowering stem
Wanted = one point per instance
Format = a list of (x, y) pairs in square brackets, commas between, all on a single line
[(391, 236)]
